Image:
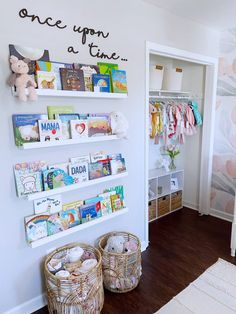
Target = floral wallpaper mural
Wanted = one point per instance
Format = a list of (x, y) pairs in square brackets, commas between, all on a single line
[(224, 159)]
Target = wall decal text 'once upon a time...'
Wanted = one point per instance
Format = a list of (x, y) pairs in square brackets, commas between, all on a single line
[(85, 32)]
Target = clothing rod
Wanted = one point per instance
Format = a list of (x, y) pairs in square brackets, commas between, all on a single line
[(169, 97)]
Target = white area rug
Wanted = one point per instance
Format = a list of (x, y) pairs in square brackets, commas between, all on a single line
[(214, 292)]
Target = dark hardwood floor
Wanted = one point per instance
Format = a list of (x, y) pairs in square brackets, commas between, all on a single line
[(182, 246)]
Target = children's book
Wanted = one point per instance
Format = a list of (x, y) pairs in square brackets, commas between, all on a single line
[(116, 202), (117, 166), (65, 121), (26, 128), (27, 167), (46, 80), (88, 71), (106, 168), (105, 203), (119, 82), (56, 178), (98, 126), (79, 128), (36, 227), (117, 156), (88, 212), (54, 224), (84, 158), (94, 157), (53, 67), (50, 130), (105, 68), (69, 218), (28, 183), (95, 170), (52, 205), (53, 110), (73, 205), (101, 83), (72, 79), (79, 172), (119, 189), (62, 166), (97, 201)]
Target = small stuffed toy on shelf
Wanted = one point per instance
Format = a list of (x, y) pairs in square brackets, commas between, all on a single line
[(21, 79), (119, 124)]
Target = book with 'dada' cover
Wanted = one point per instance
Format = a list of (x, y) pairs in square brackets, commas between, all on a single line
[(79, 172)]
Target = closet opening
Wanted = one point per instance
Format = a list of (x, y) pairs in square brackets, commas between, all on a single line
[(179, 86)]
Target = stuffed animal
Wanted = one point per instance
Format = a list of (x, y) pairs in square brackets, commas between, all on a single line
[(21, 79), (115, 244), (119, 124), (152, 121), (130, 246)]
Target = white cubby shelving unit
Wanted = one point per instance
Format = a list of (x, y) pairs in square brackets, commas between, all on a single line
[(164, 197), (80, 227), (77, 94), (69, 142), (76, 186)]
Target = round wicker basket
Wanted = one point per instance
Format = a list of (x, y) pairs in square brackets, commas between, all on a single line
[(121, 271), (81, 294)]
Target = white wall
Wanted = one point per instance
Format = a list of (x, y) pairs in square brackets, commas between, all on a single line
[(130, 24)]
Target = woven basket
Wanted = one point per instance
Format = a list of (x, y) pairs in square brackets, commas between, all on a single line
[(84, 294), (121, 271)]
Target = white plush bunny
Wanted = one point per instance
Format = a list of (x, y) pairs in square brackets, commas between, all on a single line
[(119, 124)]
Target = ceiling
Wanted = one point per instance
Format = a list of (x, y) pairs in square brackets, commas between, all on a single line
[(217, 14)]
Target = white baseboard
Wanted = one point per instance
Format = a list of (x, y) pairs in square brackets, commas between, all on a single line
[(190, 205), (29, 306), (222, 215), (40, 301)]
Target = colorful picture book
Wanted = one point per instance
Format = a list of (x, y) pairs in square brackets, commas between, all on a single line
[(46, 80), (36, 227), (54, 224), (88, 71), (51, 205), (78, 159), (72, 79), (62, 166), (106, 68), (88, 212), (56, 178), (97, 201), (105, 202), (73, 205), (116, 202), (50, 130), (79, 128), (101, 83), (66, 125), (26, 128), (117, 166), (69, 218), (53, 110), (53, 67), (95, 157), (119, 82), (98, 126), (79, 172)]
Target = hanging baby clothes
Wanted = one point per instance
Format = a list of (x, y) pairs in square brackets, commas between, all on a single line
[(197, 115), (190, 122)]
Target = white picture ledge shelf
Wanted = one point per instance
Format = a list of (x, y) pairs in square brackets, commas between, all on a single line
[(69, 142), (72, 230), (75, 186), (77, 94)]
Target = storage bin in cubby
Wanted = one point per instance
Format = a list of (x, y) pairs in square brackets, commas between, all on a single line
[(163, 206), (176, 200), (152, 213)]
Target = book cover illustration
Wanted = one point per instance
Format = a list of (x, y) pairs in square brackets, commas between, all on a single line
[(95, 171), (69, 218), (88, 212), (50, 130), (72, 79), (79, 128), (53, 67), (28, 183), (36, 227), (106, 168), (62, 166), (51, 204), (79, 172), (106, 68), (98, 126), (88, 71), (65, 121), (101, 83), (56, 178), (46, 80), (119, 82), (97, 201), (94, 157), (34, 54), (116, 202), (54, 224), (84, 158), (119, 189), (105, 202), (29, 167), (26, 128), (73, 205), (117, 166), (53, 110)]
